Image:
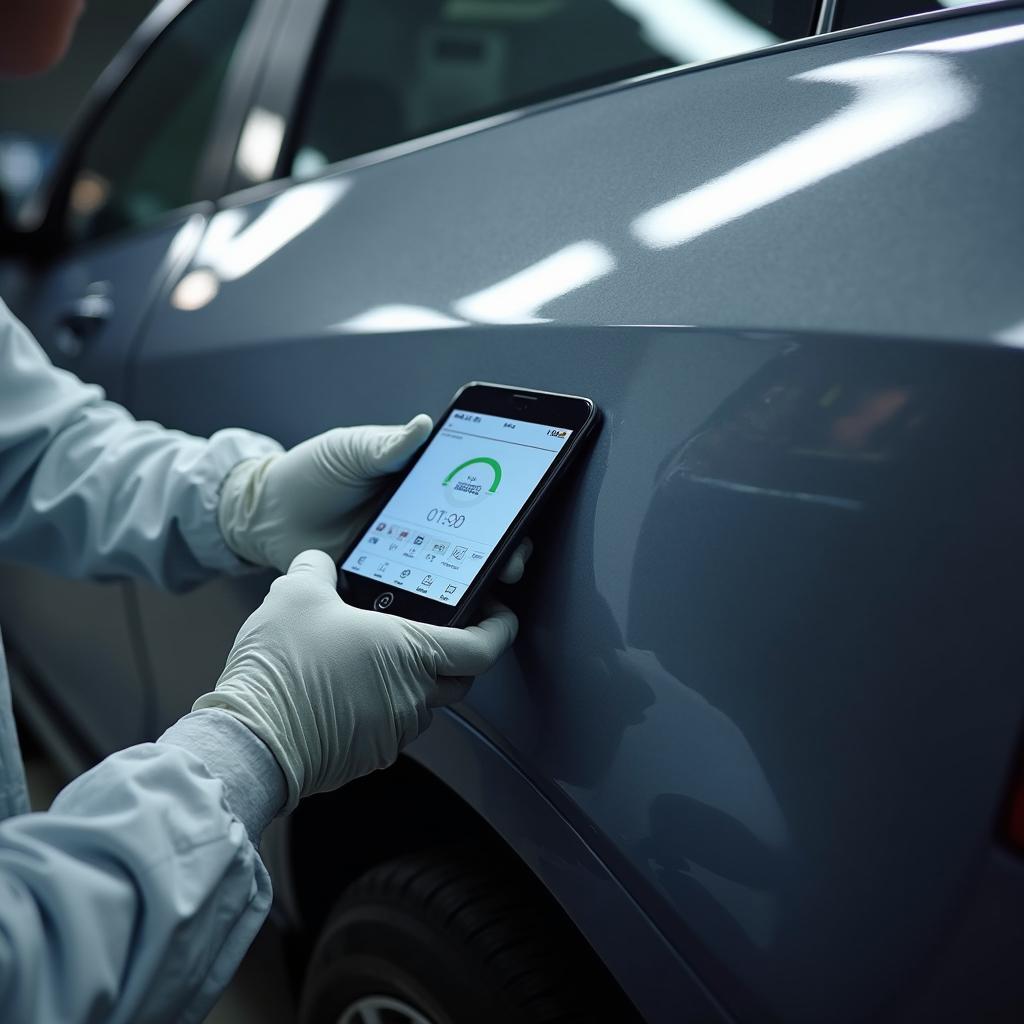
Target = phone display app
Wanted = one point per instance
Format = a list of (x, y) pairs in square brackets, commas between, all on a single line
[(445, 519)]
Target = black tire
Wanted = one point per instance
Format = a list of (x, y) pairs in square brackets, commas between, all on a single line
[(461, 942)]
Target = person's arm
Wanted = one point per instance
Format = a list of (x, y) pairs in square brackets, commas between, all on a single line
[(87, 491), (136, 895)]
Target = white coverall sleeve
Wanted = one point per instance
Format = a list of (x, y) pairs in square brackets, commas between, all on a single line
[(87, 491), (134, 898)]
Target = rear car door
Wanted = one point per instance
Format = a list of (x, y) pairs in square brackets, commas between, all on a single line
[(130, 196)]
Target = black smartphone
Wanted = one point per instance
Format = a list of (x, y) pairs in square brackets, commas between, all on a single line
[(463, 504)]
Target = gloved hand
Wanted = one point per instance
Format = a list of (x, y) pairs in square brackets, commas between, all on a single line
[(335, 691), (316, 495), (319, 494)]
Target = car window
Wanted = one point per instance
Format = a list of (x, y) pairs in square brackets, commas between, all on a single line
[(392, 70), (851, 13), (142, 159)]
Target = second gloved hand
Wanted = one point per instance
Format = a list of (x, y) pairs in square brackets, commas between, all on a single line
[(316, 495), (335, 691)]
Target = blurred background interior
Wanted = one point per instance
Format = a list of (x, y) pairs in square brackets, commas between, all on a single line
[(36, 112), (461, 59)]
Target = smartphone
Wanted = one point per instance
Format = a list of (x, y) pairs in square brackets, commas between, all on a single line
[(463, 504)]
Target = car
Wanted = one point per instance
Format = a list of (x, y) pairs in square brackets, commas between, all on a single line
[(755, 755)]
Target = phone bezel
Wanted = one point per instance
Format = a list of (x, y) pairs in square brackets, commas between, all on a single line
[(570, 412)]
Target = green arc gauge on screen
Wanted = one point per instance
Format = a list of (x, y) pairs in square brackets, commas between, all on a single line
[(475, 488)]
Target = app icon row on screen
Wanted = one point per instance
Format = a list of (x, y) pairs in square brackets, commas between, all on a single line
[(399, 541), (426, 583)]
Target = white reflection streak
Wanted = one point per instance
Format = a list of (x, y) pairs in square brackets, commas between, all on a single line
[(388, 319), (899, 97), (971, 41), (962, 3), (220, 233), (692, 30), (518, 298), (185, 241), (232, 251), (1011, 335), (188, 293)]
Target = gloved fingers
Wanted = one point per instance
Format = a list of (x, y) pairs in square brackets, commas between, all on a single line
[(513, 569), (358, 455), (449, 690), (394, 450), (316, 564), (353, 458), (473, 650)]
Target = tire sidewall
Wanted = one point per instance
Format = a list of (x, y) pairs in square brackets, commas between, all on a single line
[(381, 948)]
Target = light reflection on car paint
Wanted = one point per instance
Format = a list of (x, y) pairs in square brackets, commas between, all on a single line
[(898, 97)]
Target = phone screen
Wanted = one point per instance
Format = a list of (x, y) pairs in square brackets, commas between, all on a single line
[(456, 504)]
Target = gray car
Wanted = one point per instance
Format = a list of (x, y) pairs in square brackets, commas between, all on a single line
[(755, 755)]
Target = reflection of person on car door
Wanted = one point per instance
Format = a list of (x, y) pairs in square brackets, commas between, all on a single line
[(136, 895)]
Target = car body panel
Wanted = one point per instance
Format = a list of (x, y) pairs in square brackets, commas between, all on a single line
[(646, 742), (749, 212), (724, 613), (660, 984), (769, 636)]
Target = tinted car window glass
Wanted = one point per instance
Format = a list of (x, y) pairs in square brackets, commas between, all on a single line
[(391, 70), (850, 13), (142, 159)]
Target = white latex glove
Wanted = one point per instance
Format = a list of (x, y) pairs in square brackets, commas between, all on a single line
[(313, 496), (319, 494), (335, 691)]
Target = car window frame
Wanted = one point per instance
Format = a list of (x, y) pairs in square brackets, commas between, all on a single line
[(829, 9), (281, 90), (46, 214), (287, 67), (284, 90)]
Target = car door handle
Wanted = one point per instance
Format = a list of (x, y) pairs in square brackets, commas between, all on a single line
[(81, 321)]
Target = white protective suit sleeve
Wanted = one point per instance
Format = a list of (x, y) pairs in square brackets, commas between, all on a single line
[(87, 491), (134, 898)]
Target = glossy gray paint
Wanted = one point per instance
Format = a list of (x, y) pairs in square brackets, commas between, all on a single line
[(724, 618), (660, 983), (898, 214), (767, 680), (704, 664)]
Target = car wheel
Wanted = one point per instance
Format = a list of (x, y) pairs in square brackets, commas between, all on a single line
[(443, 939)]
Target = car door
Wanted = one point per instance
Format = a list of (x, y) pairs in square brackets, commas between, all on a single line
[(129, 198), (359, 80)]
